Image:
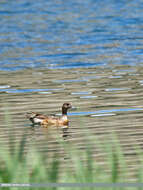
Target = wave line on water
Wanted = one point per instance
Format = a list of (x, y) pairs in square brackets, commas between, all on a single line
[(104, 111)]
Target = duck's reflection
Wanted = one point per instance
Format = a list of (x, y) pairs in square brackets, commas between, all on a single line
[(52, 130), (66, 133)]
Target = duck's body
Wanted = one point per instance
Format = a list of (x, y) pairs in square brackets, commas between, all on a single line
[(63, 120), (37, 118)]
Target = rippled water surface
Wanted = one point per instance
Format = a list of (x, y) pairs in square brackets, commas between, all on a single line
[(89, 53)]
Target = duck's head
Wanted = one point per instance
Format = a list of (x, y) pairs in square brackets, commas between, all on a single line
[(65, 107)]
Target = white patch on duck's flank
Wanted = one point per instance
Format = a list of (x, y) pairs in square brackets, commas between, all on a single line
[(64, 117), (37, 120)]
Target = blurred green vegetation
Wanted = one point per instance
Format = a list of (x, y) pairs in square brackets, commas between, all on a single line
[(20, 166)]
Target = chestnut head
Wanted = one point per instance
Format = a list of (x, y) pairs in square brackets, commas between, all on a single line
[(67, 106)]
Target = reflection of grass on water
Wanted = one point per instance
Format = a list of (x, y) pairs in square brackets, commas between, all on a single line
[(18, 166)]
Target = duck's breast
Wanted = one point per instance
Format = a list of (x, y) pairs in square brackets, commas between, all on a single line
[(64, 120)]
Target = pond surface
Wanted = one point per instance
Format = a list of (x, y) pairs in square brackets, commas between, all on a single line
[(88, 53)]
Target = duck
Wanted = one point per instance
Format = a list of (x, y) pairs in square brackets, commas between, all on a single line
[(44, 120)]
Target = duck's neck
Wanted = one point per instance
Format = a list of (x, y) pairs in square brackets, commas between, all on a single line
[(64, 111)]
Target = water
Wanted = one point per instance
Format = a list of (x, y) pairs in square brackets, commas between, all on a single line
[(88, 53)]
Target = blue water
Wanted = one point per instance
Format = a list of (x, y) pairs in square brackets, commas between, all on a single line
[(61, 34)]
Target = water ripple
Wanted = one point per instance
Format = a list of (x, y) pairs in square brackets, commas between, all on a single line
[(28, 90), (80, 93), (116, 89), (71, 80), (104, 111), (88, 97)]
